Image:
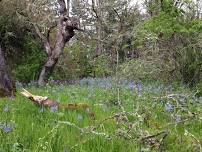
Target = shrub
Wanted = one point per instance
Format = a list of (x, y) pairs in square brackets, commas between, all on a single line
[(199, 89), (138, 69), (77, 61), (74, 63), (31, 61), (101, 66), (170, 43)]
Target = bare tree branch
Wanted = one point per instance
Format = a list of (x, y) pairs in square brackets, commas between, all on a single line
[(62, 9), (94, 10), (120, 19)]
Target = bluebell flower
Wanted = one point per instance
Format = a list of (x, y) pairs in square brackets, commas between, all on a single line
[(178, 118), (169, 107), (108, 85), (132, 86), (83, 82), (7, 128), (18, 84), (139, 88), (6, 108), (54, 108)]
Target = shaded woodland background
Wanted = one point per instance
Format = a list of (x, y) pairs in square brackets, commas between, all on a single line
[(156, 40)]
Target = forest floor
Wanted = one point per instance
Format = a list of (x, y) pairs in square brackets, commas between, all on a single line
[(127, 117)]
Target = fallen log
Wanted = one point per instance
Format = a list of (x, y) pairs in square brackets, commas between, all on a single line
[(46, 102)]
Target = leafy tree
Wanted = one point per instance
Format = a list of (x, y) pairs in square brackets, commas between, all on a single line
[(175, 40)]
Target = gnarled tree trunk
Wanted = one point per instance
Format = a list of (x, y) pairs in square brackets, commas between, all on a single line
[(66, 27), (7, 87)]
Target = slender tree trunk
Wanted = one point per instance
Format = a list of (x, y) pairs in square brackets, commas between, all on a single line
[(7, 87), (99, 49), (66, 27), (68, 6), (198, 9), (96, 7)]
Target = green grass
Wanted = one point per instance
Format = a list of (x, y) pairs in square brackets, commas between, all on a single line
[(42, 132)]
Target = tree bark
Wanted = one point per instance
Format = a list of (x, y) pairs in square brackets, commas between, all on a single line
[(66, 27), (98, 15), (7, 87), (99, 29)]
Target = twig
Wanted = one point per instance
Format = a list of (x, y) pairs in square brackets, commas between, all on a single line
[(71, 124), (86, 130), (162, 139), (152, 136), (191, 118), (83, 142), (171, 96), (191, 135)]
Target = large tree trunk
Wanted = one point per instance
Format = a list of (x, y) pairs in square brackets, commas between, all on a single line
[(7, 87), (66, 27)]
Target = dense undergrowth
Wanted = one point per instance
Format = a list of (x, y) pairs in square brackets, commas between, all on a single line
[(125, 117)]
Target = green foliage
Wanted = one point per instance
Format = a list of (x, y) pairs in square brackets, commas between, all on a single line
[(190, 63), (5, 31), (172, 20), (199, 89), (77, 62), (195, 26), (170, 40), (139, 69), (166, 24), (23, 52), (31, 61), (101, 66), (74, 63)]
